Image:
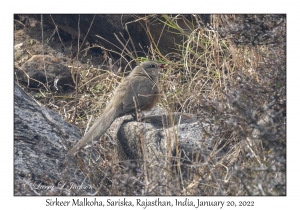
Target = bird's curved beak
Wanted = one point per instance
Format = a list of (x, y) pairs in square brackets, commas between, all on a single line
[(161, 66)]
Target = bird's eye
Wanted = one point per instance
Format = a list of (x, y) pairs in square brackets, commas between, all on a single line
[(152, 65)]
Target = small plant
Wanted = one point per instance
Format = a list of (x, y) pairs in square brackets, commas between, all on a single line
[(31, 42)]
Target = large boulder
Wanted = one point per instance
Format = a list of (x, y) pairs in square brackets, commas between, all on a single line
[(132, 30), (40, 137)]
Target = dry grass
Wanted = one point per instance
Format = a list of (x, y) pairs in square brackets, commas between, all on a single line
[(231, 81)]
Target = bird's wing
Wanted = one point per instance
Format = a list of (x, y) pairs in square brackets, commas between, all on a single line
[(143, 90)]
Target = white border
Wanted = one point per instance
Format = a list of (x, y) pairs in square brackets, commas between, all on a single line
[(254, 6)]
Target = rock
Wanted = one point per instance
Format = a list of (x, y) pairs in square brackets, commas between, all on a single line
[(58, 75), (19, 51), (103, 25), (40, 147), (154, 139), (112, 25)]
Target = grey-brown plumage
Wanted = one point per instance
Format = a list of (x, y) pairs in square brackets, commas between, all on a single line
[(138, 90)]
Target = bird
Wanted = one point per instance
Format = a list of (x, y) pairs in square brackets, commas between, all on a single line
[(139, 91)]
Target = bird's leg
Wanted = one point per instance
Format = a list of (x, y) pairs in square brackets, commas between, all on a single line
[(134, 116), (137, 116)]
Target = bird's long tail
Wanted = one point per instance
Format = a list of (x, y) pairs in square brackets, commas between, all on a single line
[(98, 128)]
